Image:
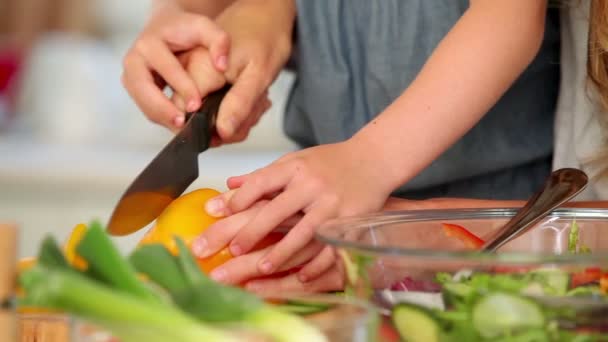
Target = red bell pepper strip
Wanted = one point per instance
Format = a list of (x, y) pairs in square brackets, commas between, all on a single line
[(604, 284), (589, 275), (469, 239)]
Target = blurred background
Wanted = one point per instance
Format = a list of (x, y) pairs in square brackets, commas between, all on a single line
[(71, 140)]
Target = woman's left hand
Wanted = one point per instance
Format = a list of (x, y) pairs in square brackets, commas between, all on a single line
[(318, 183)]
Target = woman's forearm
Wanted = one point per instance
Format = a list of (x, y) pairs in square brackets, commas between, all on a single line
[(484, 53), (210, 8)]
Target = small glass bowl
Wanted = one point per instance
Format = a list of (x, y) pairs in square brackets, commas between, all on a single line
[(398, 257)]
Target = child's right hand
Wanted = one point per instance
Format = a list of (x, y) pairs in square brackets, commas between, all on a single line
[(152, 63)]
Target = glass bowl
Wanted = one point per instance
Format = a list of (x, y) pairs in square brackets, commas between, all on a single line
[(424, 272), (339, 318)]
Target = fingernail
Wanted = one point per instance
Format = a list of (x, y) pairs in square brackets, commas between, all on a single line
[(192, 105), (199, 247), (266, 267), (219, 275), (178, 121), (222, 62), (235, 250), (215, 207)]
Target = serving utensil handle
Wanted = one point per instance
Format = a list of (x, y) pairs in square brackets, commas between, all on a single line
[(561, 186)]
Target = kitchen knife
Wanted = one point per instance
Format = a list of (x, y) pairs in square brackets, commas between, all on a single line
[(170, 172)]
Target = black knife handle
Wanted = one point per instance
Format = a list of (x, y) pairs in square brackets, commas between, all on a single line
[(209, 110)]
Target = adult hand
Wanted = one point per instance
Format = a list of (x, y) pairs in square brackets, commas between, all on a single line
[(152, 62)]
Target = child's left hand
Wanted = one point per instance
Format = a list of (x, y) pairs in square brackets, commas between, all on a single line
[(318, 183)]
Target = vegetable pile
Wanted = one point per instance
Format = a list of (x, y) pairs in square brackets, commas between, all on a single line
[(152, 296), (505, 305)]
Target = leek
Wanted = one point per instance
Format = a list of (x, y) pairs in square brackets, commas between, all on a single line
[(128, 317), (210, 301), (179, 303)]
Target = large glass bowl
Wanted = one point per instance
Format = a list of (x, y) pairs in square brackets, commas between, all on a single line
[(422, 269)]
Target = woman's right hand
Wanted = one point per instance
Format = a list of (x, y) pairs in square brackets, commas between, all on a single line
[(261, 40), (259, 48), (152, 63)]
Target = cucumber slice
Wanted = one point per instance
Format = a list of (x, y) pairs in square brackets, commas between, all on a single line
[(454, 293), (423, 299), (415, 324), (500, 313), (303, 308), (555, 281)]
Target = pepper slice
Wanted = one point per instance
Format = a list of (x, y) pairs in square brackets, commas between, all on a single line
[(587, 276), (469, 239), (604, 284)]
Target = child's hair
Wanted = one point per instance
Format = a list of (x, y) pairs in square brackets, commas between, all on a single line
[(597, 71)]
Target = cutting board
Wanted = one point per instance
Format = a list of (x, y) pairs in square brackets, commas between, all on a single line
[(43, 328)]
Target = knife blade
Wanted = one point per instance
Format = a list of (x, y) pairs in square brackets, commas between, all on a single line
[(169, 174)]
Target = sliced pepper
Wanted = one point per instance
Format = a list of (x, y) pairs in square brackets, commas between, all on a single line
[(70, 247), (604, 283), (589, 275), (469, 239)]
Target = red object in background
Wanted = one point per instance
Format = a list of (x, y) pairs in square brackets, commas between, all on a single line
[(469, 239), (11, 62), (410, 284)]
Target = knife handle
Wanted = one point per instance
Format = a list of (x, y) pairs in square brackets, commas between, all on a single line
[(209, 111)]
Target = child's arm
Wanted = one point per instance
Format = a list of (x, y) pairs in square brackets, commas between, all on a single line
[(473, 66), (469, 71)]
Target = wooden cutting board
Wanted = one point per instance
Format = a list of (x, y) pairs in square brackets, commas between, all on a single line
[(43, 328)]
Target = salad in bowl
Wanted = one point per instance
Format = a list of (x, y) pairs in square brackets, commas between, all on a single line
[(425, 271)]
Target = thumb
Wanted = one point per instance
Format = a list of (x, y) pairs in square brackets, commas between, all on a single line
[(240, 100)]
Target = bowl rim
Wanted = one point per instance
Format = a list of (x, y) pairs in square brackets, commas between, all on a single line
[(327, 234)]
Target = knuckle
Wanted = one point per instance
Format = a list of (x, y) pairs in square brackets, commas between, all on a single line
[(332, 199), (127, 60), (222, 38), (349, 211), (299, 165), (306, 230), (338, 282), (235, 101), (256, 182), (142, 45), (317, 184)]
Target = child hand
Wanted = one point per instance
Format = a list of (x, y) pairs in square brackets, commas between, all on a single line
[(152, 62), (243, 268), (319, 183)]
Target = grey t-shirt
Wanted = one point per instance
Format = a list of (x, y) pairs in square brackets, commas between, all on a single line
[(354, 57)]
